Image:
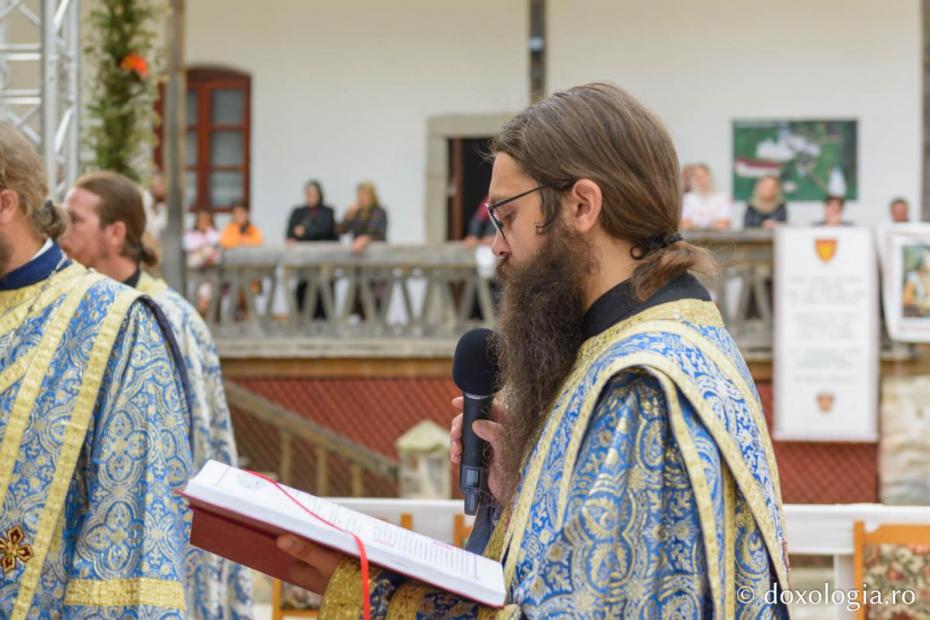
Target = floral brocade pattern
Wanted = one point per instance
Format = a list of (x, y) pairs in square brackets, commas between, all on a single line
[(217, 589), (651, 493), (890, 569), (119, 518)]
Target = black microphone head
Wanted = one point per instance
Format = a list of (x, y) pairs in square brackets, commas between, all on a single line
[(474, 368)]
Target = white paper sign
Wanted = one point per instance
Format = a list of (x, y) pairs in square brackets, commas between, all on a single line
[(905, 252), (826, 334)]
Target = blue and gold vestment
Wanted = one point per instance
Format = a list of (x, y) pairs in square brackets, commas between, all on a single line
[(217, 589), (93, 449), (652, 491)]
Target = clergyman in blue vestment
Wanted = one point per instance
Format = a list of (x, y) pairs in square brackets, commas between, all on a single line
[(94, 419), (106, 234), (632, 475)]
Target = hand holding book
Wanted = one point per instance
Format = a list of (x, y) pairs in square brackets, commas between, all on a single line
[(313, 565)]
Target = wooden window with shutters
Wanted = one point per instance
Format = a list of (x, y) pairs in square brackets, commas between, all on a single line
[(218, 139)]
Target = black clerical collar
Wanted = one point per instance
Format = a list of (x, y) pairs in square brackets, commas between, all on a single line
[(36, 270), (133, 280), (619, 303)]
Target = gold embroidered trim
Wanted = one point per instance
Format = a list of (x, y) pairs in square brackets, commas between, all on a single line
[(495, 547), (507, 613), (704, 313), (13, 373), (125, 593), (701, 488), (20, 296), (150, 285), (343, 596), (729, 538), (73, 441), (61, 282), (407, 601)]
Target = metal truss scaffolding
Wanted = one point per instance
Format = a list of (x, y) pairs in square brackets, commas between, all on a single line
[(39, 82)]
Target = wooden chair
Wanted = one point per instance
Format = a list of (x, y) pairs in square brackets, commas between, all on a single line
[(901, 535), (277, 588)]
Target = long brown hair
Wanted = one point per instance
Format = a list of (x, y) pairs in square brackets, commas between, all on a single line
[(121, 201), (600, 132)]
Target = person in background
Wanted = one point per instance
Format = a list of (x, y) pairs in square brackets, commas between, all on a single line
[(900, 211), (833, 212), (201, 245), (240, 231), (366, 220), (703, 207), (687, 183), (766, 208), (156, 208), (313, 220), (106, 234), (480, 228)]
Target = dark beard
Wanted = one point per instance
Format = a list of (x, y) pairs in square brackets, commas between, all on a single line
[(541, 315)]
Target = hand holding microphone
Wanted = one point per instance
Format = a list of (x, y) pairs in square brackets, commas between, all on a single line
[(488, 430), (474, 371)]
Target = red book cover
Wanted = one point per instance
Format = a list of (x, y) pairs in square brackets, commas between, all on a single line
[(240, 539)]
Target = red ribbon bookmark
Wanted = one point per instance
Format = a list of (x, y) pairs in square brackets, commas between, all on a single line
[(362, 554)]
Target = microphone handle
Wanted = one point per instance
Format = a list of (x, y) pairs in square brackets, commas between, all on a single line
[(473, 472)]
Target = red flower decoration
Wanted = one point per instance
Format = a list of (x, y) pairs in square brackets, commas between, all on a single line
[(135, 63)]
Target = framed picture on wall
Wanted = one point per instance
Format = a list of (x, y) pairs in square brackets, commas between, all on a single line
[(811, 158), (905, 254)]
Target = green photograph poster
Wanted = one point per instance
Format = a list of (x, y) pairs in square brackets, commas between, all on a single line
[(812, 158)]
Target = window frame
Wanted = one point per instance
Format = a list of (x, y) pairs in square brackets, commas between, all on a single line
[(204, 81)]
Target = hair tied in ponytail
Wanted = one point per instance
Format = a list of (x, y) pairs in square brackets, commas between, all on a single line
[(658, 242)]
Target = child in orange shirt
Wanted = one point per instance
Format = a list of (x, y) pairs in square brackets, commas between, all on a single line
[(240, 231)]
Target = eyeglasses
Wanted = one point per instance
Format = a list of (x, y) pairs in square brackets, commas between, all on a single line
[(492, 208)]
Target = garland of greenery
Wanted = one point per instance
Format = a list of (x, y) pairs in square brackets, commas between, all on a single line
[(120, 49)]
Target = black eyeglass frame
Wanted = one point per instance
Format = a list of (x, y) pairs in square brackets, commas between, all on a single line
[(492, 208)]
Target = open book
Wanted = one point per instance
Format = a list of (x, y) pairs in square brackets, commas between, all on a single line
[(238, 515)]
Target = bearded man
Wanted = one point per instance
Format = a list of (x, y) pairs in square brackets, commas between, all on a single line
[(94, 418), (631, 456), (108, 221)]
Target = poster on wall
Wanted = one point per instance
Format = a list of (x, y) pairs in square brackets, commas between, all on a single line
[(812, 158), (826, 334), (905, 253)]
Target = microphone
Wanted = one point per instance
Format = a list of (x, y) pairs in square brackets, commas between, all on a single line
[(474, 371)]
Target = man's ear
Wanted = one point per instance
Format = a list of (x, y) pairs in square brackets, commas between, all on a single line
[(9, 205), (116, 236), (585, 202)]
